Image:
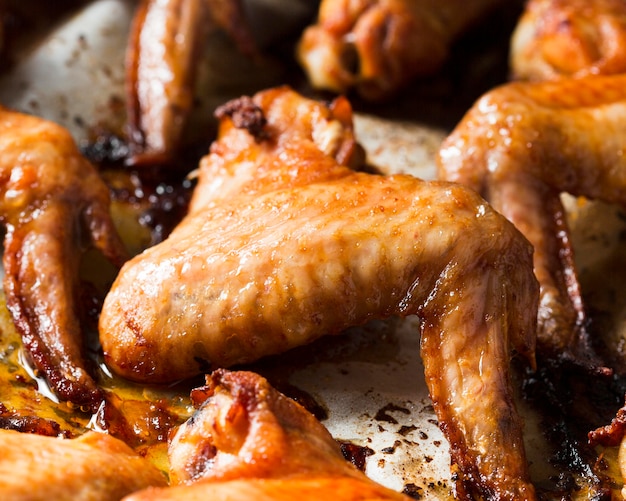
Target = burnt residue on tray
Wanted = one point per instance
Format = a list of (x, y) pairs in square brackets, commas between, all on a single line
[(356, 454), (383, 413), (304, 398)]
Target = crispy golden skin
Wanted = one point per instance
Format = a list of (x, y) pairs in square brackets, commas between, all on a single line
[(284, 243), (53, 205), (569, 38), (162, 57), (274, 489), (523, 144), (378, 46), (92, 467), (248, 441)]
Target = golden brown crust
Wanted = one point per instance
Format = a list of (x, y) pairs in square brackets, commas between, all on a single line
[(248, 441), (247, 429), (51, 199), (378, 46), (565, 38), (94, 467), (274, 489)]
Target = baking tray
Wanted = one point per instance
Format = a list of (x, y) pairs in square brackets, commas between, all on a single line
[(367, 386)]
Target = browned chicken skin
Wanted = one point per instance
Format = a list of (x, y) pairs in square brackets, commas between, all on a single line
[(284, 243), (569, 38), (378, 46), (53, 205), (523, 144), (166, 39), (92, 467), (558, 39), (248, 441)]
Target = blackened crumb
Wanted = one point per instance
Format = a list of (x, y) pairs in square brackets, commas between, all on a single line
[(245, 115)]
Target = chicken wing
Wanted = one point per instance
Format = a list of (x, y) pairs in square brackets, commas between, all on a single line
[(378, 46), (248, 441), (569, 38), (92, 467), (165, 43), (284, 243), (52, 203), (523, 144)]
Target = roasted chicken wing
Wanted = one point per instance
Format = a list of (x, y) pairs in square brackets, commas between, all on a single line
[(248, 441), (53, 204), (166, 40), (285, 243), (523, 144), (92, 467), (569, 38), (378, 46)]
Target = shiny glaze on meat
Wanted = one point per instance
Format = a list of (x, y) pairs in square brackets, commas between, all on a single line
[(92, 467), (569, 39), (523, 144), (284, 243), (53, 205), (378, 46)]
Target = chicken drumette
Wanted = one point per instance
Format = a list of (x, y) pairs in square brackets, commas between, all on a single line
[(53, 205), (285, 243), (378, 46), (248, 441), (569, 38)]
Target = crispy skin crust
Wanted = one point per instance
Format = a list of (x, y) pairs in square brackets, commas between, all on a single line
[(569, 38), (53, 204), (274, 489), (523, 144), (378, 46), (248, 441), (283, 244), (94, 467), (247, 429)]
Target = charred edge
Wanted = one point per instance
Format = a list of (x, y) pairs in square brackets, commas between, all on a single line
[(245, 114), (467, 479), (564, 398)]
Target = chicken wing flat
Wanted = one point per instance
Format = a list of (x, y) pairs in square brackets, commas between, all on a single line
[(53, 204), (523, 144), (92, 467), (378, 46), (569, 38), (248, 441), (284, 243)]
